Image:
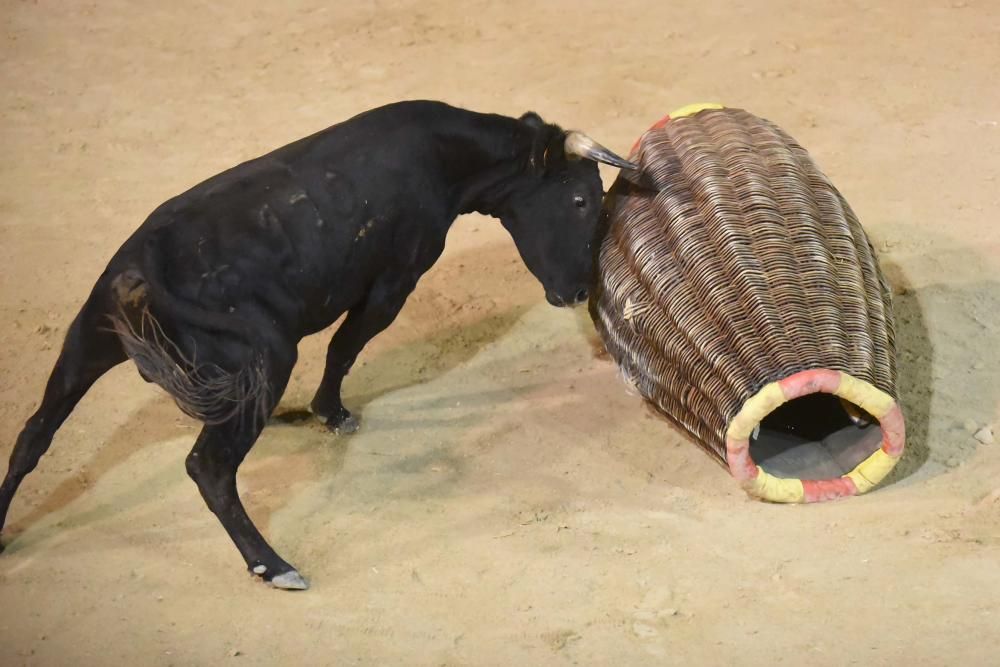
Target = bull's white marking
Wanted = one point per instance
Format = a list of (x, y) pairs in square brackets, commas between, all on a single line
[(297, 197), (259, 569), (364, 230)]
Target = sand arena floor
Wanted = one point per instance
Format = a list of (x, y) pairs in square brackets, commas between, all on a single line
[(506, 502)]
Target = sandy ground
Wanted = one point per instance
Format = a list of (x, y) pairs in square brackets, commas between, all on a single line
[(507, 502)]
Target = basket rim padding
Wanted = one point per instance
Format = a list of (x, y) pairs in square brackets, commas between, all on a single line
[(865, 476), (688, 110)]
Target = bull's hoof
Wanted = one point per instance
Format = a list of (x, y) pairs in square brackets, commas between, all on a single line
[(341, 422), (347, 426), (289, 581)]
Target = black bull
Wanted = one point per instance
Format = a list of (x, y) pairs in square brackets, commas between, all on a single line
[(210, 296)]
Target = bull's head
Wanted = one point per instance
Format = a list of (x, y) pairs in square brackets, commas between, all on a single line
[(553, 212)]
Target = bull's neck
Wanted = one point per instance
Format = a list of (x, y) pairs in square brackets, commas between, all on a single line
[(483, 155)]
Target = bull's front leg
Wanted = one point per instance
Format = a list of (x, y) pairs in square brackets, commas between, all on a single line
[(363, 322)]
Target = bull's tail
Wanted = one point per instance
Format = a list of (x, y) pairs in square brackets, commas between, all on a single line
[(205, 391)]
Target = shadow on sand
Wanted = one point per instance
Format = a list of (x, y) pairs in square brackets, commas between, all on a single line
[(449, 342)]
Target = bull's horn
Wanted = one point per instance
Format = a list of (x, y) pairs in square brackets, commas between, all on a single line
[(579, 144)]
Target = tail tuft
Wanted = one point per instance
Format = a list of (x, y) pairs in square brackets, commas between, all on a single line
[(203, 391)]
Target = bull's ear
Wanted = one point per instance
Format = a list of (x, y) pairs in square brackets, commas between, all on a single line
[(555, 150), (547, 143), (548, 149), (532, 119)]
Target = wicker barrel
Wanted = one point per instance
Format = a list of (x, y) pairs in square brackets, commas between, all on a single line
[(741, 297)]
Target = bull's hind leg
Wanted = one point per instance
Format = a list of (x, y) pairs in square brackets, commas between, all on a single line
[(212, 464), (89, 351)]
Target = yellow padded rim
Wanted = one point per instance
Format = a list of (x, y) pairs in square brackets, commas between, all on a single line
[(692, 109), (865, 476)]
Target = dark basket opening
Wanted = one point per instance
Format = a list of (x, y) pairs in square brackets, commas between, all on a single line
[(813, 437)]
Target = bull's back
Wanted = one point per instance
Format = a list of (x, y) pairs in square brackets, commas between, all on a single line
[(306, 225)]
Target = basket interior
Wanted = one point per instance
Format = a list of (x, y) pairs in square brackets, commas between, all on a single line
[(813, 437)]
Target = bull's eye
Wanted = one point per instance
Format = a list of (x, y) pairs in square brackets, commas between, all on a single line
[(579, 201)]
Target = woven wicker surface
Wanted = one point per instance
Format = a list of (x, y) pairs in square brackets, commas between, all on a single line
[(741, 265)]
